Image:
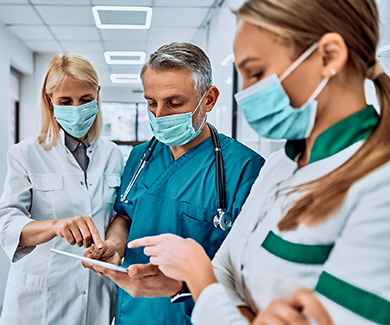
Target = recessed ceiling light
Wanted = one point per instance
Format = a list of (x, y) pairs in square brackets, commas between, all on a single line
[(124, 57), (383, 49), (123, 78), (113, 17), (227, 60)]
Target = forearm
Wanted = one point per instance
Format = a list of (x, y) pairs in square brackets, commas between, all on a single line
[(37, 232), (118, 232), (199, 278)]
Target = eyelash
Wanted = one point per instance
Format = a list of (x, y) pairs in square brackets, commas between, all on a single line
[(256, 75), (66, 103)]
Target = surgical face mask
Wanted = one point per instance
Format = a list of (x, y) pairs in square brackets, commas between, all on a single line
[(268, 111), (177, 129), (76, 120)]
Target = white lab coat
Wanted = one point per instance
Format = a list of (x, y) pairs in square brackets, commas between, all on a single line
[(43, 287), (360, 232)]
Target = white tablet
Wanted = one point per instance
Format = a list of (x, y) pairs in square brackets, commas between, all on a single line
[(92, 261)]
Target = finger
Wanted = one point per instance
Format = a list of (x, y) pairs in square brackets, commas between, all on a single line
[(84, 230), (288, 313), (94, 252), (102, 271), (267, 318), (67, 234), (151, 251), (117, 276), (140, 270), (307, 300), (76, 234), (87, 265), (146, 241), (94, 232)]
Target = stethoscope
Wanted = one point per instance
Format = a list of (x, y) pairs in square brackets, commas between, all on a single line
[(222, 219)]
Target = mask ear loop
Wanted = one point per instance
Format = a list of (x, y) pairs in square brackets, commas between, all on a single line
[(298, 61), (199, 103), (204, 119)]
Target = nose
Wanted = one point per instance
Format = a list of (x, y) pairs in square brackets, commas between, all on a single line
[(159, 112)]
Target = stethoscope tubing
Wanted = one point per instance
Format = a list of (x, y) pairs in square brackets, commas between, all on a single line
[(219, 178)]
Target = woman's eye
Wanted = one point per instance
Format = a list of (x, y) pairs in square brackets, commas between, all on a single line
[(257, 75)]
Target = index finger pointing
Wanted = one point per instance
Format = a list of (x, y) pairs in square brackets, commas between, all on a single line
[(145, 241), (95, 233)]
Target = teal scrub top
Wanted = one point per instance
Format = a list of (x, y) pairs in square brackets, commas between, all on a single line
[(179, 197)]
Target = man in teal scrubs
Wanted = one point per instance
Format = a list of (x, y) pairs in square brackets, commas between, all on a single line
[(176, 191)]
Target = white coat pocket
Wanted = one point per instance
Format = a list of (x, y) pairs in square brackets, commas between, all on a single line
[(26, 291)]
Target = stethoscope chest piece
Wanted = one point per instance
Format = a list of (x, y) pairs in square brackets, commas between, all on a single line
[(222, 220)]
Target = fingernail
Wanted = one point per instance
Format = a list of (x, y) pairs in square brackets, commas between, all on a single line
[(132, 271), (129, 245)]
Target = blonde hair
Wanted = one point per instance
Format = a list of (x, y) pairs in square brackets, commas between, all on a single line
[(64, 66), (300, 23)]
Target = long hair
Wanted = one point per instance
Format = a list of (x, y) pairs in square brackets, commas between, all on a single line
[(300, 23), (60, 67)]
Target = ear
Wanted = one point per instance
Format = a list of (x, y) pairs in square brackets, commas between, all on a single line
[(98, 90), (211, 98), (49, 101), (333, 52)]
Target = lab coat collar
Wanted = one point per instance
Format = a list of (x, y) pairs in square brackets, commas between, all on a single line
[(72, 144), (338, 137)]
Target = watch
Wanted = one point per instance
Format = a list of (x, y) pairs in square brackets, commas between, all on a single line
[(182, 295)]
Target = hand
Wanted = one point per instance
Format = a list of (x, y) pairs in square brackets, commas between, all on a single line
[(107, 253), (143, 281), (78, 230), (291, 310), (179, 259), (175, 256)]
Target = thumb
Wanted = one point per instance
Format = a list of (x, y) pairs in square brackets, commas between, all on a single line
[(142, 270)]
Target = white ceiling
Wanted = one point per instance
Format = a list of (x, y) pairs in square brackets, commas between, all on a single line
[(52, 26)]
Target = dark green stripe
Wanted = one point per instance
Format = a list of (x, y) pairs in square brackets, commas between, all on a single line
[(339, 136), (297, 253), (363, 303)]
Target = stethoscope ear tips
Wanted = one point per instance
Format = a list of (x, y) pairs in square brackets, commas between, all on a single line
[(223, 220)]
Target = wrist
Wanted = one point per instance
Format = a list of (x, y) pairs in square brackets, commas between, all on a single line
[(182, 295), (53, 228), (198, 281)]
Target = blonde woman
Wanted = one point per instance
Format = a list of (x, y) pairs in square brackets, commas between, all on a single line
[(318, 216), (59, 191)]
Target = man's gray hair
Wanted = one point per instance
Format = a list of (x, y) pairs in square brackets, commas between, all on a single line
[(185, 56)]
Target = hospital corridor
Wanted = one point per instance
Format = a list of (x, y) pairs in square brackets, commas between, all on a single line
[(196, 162)]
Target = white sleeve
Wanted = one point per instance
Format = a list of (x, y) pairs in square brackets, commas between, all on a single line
[(355, 283), (15, 204), (214, 306), (223, 268)]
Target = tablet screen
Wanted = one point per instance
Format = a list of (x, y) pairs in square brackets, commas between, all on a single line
[(90, 260)]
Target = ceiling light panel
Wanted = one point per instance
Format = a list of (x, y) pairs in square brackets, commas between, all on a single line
[(124, 78), (113, 17), (124, 57)]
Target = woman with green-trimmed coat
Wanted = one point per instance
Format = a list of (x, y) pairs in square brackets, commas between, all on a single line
[(318, 216)]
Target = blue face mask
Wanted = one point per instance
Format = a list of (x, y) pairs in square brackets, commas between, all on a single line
[(177, 129), (267, 108), (76, 120)]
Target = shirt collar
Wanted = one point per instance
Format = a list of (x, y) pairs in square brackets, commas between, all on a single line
[(72, 144), (338, 137)]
